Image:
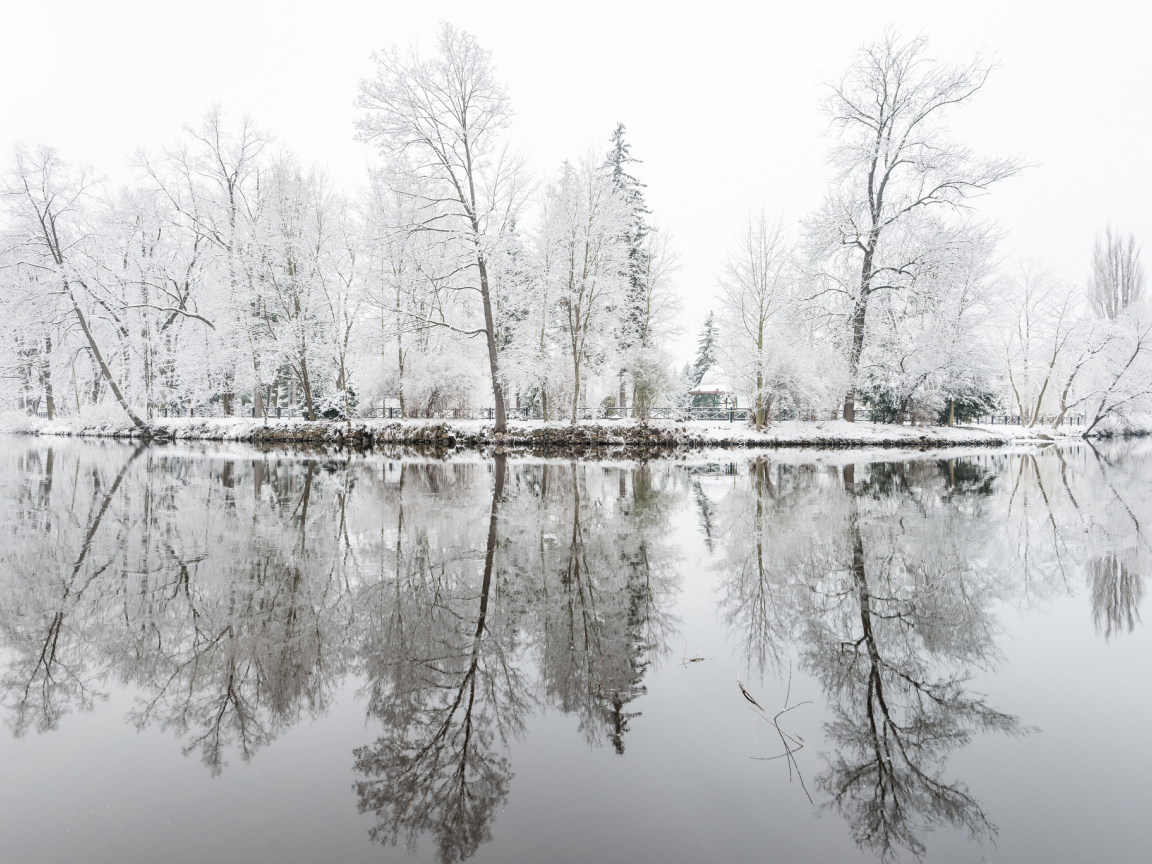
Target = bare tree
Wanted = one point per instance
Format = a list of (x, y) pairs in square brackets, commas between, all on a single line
[(443, 117), (209, 181), (897, 175), (754, 288), (1040, 331), (1118, 276)]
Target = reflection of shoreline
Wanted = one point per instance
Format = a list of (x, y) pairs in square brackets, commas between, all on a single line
[(237, 594)]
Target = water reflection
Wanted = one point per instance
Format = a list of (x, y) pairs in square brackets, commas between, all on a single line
[(883, 582), (234, 594)]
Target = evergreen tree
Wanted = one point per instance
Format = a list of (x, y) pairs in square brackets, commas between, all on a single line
[(629, 316), (618, 158), (705, 352)]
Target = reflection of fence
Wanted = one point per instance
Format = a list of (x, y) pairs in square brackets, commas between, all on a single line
[(714, 469)]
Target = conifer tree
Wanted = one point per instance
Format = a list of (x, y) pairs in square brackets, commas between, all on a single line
[(705, 352), (629, 315)]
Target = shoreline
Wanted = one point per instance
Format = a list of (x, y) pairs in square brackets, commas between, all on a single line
[(552, 437)]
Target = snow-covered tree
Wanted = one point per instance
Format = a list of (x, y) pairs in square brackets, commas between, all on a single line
[(901, 186), (705, 357), (762, 348), (53, 233), (630, 314), (441, 119), (1118, 278), (585, 257)]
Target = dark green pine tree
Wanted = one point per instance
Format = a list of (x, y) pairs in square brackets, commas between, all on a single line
[(629, 315), (705, 352)]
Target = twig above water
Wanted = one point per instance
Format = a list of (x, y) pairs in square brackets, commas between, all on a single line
[(785, 736), (685, 660)]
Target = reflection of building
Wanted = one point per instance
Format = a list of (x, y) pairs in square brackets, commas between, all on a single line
[(712, 392)]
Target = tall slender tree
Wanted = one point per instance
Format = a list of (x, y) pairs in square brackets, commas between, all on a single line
[(630, 314), (1118, 277)]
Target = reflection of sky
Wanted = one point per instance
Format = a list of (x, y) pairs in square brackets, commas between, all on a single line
[(685, 790)]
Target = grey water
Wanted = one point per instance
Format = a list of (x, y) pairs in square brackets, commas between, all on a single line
[(225, 654)]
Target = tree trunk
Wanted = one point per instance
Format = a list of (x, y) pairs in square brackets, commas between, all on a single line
[(46, 378), (97, 378), (344, 390), (307, 385), (104, 370), (576, 393), (228, 397), (951, 412), (759, 399), (859, 316), (490, 336), (400, 377)]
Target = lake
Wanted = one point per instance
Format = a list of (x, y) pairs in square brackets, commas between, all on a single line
[(227, 654)]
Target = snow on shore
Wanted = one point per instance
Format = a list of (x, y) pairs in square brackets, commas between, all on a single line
[(540, 435)]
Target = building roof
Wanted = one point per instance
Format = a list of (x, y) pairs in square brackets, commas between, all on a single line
[(711, 385)]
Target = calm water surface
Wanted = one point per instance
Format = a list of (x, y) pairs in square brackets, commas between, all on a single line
[(236, 656)]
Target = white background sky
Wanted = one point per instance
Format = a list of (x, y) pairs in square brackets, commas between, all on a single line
[(720, 99)]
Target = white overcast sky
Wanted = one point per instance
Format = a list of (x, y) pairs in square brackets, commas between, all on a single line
[(720, 99)]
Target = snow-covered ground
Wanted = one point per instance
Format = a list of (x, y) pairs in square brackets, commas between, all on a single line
[(830, 433)]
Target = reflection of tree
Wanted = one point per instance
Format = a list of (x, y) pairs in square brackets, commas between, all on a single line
[(232, 656), (1117, 589), (1116, 577), (51, 672), (874, 584), (234, 594), (225, 630), (707, 512), (896, 719), (763, 522), (444, 685), (598, 571)]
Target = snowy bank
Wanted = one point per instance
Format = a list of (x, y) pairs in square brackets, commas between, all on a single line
[(366, 434)]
